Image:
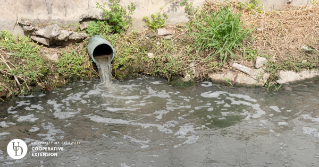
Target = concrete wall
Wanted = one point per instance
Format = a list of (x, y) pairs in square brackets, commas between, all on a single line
[(65, 12)]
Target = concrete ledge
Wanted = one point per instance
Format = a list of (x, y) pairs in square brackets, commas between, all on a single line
[(286, 77)]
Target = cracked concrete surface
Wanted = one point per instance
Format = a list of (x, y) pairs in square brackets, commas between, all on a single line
[(65, 12)]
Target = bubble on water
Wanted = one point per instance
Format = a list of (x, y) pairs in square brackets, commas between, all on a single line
[(275, 108), (206, 84), (27, 118)]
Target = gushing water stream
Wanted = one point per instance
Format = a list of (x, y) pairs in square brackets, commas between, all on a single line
[(104, 64)]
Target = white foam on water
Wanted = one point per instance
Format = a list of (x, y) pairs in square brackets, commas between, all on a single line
[(275, 108), (124, 165), (129, 101), (75, 97), (52, 132), (160, 113), (28, 109), (10, 110), (141, 142), (154, 93), (120, 109), (68, 88), (210, 109), (311, 131), (58, 113), (211, 94), (258, 111), (4, 133), (227, 105), (282, 123), (34, 129), (100, 119), (156, 82), (5, 125), (23, 103), (39, 107), (27, 118), (206, 84), (307, 116)]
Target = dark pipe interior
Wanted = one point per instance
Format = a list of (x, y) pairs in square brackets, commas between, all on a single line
[(102, 49)]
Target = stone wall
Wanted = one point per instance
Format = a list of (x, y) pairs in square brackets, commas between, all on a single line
[(67, 12)]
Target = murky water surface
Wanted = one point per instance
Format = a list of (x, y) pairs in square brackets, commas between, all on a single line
[(145, 122)]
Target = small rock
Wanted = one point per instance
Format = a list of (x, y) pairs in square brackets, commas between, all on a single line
[(242, 68), (306, 49), (83, 26), (43, 41), (259, 29), (53, 57), (304, 61), (257, 74), (150, 55), (77, 36), (260, 61), (24, 23), (28, 28), (49, 31), (163, 32), (168, 36), (64, 35), (187, 78)]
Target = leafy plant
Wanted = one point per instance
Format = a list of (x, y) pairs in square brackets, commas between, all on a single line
[(98, 28), (72, 63), (252, 5), (221, 32), (118, 17), (158, 19), (189, 9)]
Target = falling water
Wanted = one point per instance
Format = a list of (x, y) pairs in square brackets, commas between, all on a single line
[(104, 65)]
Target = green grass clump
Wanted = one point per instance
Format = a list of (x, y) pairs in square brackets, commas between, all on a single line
[(220, 31), (74, 64), (20, 62), (98, 27)]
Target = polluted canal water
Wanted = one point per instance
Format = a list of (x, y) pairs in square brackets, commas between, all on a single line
[(146, 122)]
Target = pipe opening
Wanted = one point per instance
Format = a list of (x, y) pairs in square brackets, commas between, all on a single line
[(102, 50)]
